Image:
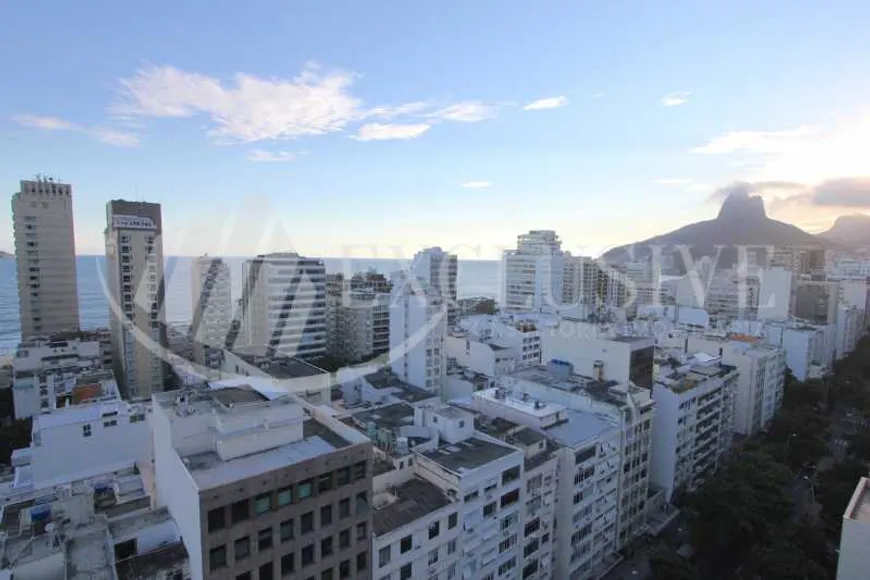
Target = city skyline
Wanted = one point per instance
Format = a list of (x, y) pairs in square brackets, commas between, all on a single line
[(228, 116)]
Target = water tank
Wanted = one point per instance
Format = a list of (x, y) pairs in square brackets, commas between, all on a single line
[(560, 368), (402, 446)]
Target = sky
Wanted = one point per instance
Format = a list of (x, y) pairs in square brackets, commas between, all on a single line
[(375, 128)]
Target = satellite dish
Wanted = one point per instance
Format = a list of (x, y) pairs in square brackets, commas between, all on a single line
[(49, 527)]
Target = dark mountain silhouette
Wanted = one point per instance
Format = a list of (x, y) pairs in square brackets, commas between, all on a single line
[(850, 230), (742, 221)]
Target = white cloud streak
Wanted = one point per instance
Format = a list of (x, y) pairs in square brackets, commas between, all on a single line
[(547, 103), (766, 142), (272, 156), (382, 132), (477, 184), (676, 99), (466, 112), (101, 134)]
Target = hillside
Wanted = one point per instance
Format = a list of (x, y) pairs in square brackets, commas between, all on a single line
[(850, 230)]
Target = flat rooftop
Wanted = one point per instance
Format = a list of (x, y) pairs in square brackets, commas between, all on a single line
[(414, 499), (469, 454), (210, 471), (387, 417), (859, 506), (598, 390), (383, 379), (580, 428), (149, 564), (278, 366)]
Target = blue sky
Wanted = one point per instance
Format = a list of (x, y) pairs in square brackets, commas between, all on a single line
[(378, 127)]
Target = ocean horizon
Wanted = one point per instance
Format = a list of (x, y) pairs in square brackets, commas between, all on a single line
[(474, 278)]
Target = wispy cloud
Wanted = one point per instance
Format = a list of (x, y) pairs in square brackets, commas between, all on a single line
[(381, 132), (756, 141), (676, 98), (477, 184), (547, 103), (272, 156), (102, 134), (467, 112)]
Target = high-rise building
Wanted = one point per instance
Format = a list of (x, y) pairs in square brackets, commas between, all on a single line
[(439, 269), (134, 276), (417, 330), (534, 272), (284, 304), (358, 324), (42, 217), (211, 294), (854, 561)]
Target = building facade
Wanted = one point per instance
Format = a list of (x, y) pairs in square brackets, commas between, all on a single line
[(42, 220), (417, 330), (284, 304), (134, 277), (439, 269), (854, 560), (534, 272), (358, 324), (212, 307)]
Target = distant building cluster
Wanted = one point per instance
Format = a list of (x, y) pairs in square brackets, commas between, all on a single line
[(533, 437)]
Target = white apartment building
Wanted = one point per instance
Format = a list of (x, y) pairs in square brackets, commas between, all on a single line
[(761, 369), (83, 441), (261, 483), (50, 372), (850, 328), (415, 530), (534, 272), (800, 343), (134, 276), (816, 301), (485, 475), (854, 560), (101, 528), (629, 410), (276, 374), (358, 324), (492, 346), (284, 304), (582, 473), (45, 254), (694, 425), (617, 357), (212, 307), (591, 281), (774, 299), (439, 269), (417, 328)]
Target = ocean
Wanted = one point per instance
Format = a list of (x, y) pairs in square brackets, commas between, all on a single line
[(474, 278)]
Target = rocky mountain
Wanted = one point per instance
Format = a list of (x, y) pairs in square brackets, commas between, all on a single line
[(850, 230), (742, 221)]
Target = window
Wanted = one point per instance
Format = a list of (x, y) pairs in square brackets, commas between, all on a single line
[(86, 430), (262, 503), (285, 496), (308, 555), (530, 548), (217, 558), (452, 521), (405, 572), (362, 561), (361, 532), (326, 574), (306, 523), (344, 508), (384, 556), (488, 509), (362, 502), (344, 569), (507, 544), (451, 547), (510, 498), (305, 489), (264, 539), (324, 483), (325, 515), (433, 557), (112, 423), (344, 539), (405, 544), (266, 571), (508, 521), (217, 519), (286, 530), (242, 576), (509, 475), (360, 470), (288, 566), (242, 548), (434, 530), (507, 566), (584, 455), (471, 496), (240, 511), (342, 476), (326, 547), (532, 527)]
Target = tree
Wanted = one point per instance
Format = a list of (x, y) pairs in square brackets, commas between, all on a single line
[(666, 564)]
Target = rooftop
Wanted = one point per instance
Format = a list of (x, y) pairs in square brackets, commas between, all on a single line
[(596, 389), (469, 454), (387, 417), (277, 366), (414, 499), (579, 428), (149, 564)]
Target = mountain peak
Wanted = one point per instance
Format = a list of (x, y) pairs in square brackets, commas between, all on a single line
[(741, 204)]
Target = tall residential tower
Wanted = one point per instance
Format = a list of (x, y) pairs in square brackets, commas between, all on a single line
[(534, 272), (134, 276), (211, 294), (439, 269), (42, 217)]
